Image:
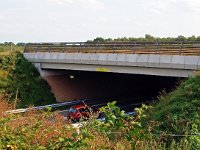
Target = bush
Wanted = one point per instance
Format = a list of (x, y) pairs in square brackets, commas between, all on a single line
[(21, 80)]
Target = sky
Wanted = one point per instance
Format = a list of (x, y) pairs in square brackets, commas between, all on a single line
[(82, 20)]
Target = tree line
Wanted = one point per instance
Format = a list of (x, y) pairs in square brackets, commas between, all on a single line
[(11, 43), (148, 38)]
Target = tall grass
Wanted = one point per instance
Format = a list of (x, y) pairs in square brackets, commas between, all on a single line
[(178, 113)]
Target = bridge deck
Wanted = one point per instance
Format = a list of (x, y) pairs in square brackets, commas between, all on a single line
[(163, 48)]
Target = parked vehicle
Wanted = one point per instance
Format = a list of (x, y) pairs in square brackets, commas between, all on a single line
[(83, 111)]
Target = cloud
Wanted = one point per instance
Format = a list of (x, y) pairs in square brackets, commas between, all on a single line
[(103, 19), (60, 2), (190, 5), (1, 17), (164, 6), (94, 4)]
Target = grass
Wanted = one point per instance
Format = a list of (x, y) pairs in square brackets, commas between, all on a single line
[(178, 113)]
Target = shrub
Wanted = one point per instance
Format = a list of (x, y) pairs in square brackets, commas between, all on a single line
[(20, 79)]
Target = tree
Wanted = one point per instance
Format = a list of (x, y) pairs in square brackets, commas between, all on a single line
[(149, 38), (198, 38), (191, 38), (99, 40), (181, 38), (20, 44)]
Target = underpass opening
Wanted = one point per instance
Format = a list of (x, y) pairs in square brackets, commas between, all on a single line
[(102, 87)]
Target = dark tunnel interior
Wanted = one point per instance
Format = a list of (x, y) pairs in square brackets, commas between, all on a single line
[(111, 86)]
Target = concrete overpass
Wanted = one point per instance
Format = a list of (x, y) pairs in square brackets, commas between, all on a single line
[(175, 59)]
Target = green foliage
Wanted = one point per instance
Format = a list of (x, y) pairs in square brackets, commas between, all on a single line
[(21, 80), (6, 66), (47, 130), (99, 40), (36, 131), (69, 143), (178, 113), (118, 125), (149, 38), (7, 46), (115, 120)]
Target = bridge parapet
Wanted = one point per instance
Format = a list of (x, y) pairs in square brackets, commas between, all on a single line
[(160, 48), (164, 59)]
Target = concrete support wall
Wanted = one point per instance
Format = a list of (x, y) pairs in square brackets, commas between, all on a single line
[(45, 73), (163, 65)]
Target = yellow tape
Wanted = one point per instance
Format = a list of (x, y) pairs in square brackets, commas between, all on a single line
[(102, 69)]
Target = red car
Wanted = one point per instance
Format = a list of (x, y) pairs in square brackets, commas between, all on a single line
[(80, 111)]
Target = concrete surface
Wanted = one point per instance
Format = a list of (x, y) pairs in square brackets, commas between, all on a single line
[(151, 64)]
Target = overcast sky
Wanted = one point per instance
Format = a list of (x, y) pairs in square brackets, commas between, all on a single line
[(81, 20)]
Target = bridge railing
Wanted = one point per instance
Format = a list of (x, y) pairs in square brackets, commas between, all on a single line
[(174, 48)]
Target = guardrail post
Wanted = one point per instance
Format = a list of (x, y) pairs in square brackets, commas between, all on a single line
[(80, 47), (37, 48), (49, 49), (114, 47), (181, 47), (156, 49), (64, 48), (134, 47)]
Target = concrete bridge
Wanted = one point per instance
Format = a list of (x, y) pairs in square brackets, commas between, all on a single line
[(175, 59)]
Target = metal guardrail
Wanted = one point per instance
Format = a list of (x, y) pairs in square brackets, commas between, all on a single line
[(16, 111), (174, 48)]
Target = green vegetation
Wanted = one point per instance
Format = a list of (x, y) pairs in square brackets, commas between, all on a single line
[(7, 46), (178, 113), (149, 38), (21, 81), (46, 130)]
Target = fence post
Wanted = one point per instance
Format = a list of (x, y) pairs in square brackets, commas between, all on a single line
[(96, 46), (79, 48), (114, 47), (181, 46), (157, 44), (37, 48), (64, 48), (49, 48), (134, 47)]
